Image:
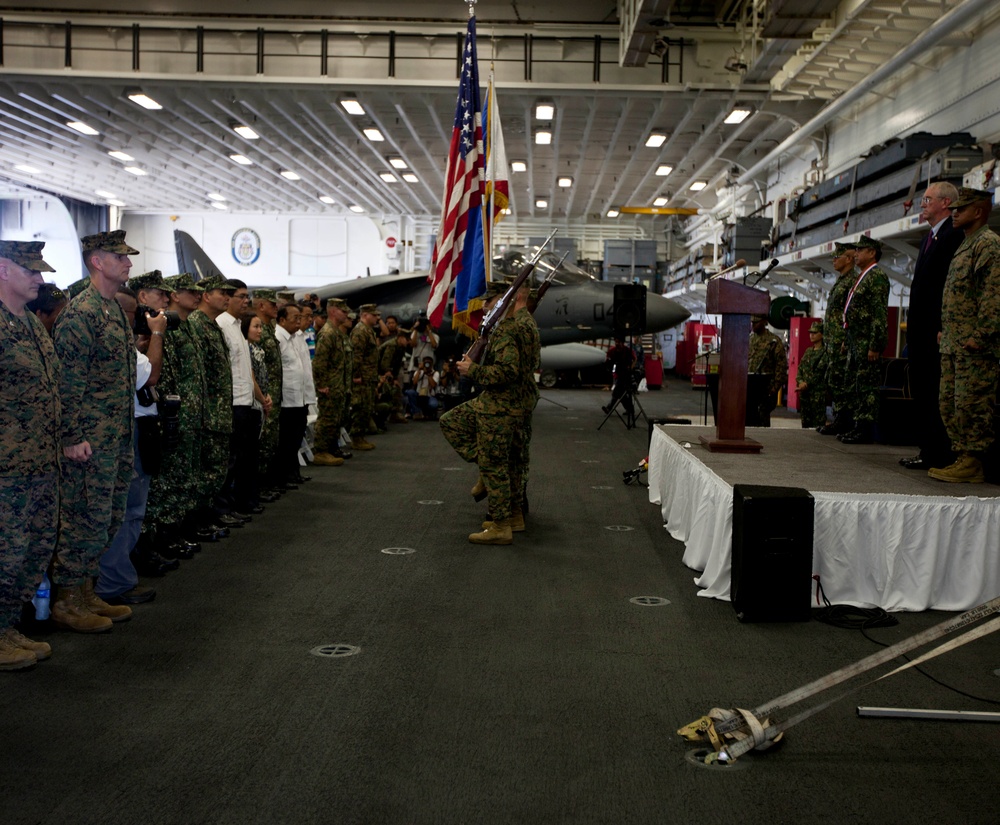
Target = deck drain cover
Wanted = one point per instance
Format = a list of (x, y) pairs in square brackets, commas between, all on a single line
[(619, 528), (335, 651), (430, 501), (398, 551), (650, 601), (698, 756)]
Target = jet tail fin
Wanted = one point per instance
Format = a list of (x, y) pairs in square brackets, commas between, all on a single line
[(192, 258)]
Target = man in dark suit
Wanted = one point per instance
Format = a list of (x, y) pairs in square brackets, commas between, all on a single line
[(923, 323)]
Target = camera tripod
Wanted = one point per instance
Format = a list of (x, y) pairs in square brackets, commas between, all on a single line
[(630, 418)]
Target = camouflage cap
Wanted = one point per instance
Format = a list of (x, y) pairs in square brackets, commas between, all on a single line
[(216, 282), (371, 308), (77, 287), (840, 248), (864, 242), (816, 326), (265, 294), (352, 315), (175, 283), (108, 242), (339, 303), (25, 253), (148, 280), (286, 295), (967, 197), (494, 289)]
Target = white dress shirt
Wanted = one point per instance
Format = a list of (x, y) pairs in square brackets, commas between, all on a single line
[(302, 348), (239, 359), (293, 375)]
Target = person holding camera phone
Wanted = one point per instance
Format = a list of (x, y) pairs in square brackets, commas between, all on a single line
[(422, 392), (423, 341)]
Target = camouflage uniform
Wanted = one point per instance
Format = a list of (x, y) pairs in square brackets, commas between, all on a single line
[(365, 353), (767, 356), (971, 310), (217, 411), (812, 400), (29, 445), (530, 362), (96, 347), (482, 430), (865, 324), (332, 369), (834, 339)]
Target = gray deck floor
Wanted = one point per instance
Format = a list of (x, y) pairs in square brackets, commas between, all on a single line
[(494, 685)]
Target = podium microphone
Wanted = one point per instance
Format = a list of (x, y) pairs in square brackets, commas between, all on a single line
[(737, 265), (764, 272)]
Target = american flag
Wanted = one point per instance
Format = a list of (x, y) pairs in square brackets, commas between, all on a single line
[(459, 256)]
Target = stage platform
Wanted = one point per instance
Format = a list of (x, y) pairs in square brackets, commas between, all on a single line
[(883, 535)]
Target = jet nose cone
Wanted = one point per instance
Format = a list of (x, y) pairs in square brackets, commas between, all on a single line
[(662, 313)]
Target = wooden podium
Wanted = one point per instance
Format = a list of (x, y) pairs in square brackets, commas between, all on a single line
[(736, 303)]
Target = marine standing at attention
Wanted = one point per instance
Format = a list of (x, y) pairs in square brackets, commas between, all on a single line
[(29, 447), (970, 339), (95, 345), (331, 388), (365, 351), (810, 380), (833, 340), (866, 322), (482, 430), (531, 353), (767, 356)]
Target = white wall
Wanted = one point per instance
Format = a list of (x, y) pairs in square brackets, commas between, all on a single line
[(296, 251), (29, 215)]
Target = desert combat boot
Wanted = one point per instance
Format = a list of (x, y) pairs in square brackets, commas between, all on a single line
[(494, 532), (97, 605), (327, 460), (968, 469), (71, 612), (516, 522), (42, 650), (13, 657)]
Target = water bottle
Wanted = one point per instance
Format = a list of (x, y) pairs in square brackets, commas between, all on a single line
[(42, 599)]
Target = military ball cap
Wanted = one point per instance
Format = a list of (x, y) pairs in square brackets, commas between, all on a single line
[(266, 294), (816, 326), (25, 253), (148, 280), (185, 280), (494, 289), (217, 282), (339, 303), (77, 287), (371, 308), (864, 242), (840, 248), (286, 295), (967, 197), (113, 242)]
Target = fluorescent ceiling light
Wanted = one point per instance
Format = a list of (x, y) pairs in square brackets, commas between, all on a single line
[(388, 177), (242, 160), (104, 193), (543, 137), (409, 177), (215, 196), (352, 107), (82, 127), (565, 182), (143, 100), (114, 202), (737, 115), (518, 166), (30, 170), (356, 208), (698, 185), (373, 134), (541, 203), (660, 202), (135, 170), (290, 175), (656, 140), (124, 156), (544, 111), (397, 163), (612, 213), (218, 205), (663, 170), (244, 131), (326, 199), (507, 210)]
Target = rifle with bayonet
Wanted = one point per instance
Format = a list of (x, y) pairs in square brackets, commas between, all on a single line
[(544, 286), (478, 348)]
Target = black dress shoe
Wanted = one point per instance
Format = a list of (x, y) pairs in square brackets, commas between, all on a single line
[(201, 534), (301, 479), (242, 516), (256, 510), (137, 595), (193, 546), (268, 498), (152, 564), (219, 531), (861, 435), (228, 521), (915, 463), (175, 550)]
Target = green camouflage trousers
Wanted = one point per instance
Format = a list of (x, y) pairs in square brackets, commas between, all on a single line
[(93, 497), (967, 400), (862, 380), (213, 466), (362, 408), (29, 520), (269, 438), (812, 407), (326, 430), (174, 491), (487, 440)]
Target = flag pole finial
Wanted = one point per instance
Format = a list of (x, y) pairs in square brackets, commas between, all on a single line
[(472, 7)]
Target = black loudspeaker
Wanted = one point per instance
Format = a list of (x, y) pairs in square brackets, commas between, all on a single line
[(630, 309), (772, 553)]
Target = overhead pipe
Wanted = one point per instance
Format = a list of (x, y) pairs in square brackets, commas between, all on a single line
[(950, 22)]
